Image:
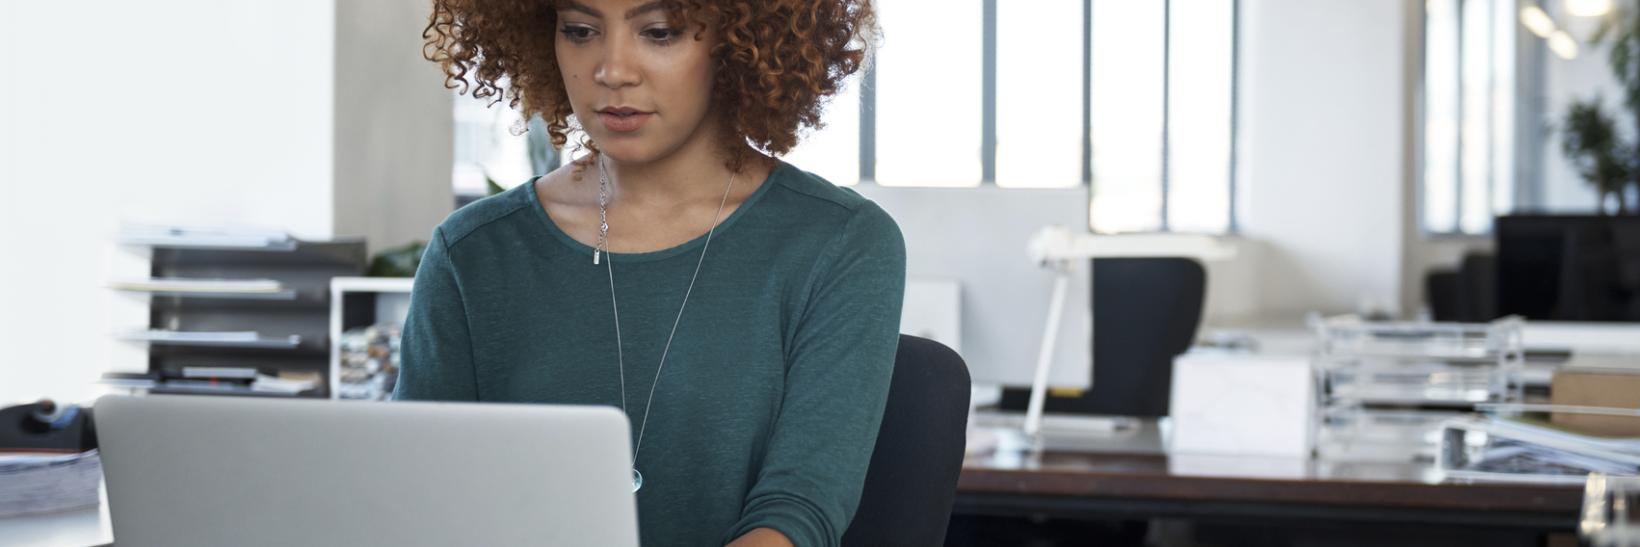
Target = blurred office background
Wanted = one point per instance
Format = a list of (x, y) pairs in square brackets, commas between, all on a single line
[(1356, 156), (1345, 148)]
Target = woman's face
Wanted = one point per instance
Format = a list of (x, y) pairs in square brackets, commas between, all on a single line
[(640, 87)]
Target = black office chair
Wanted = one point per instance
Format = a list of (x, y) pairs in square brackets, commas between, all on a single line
[(1145, 313), (912, 479), (1468, 294)]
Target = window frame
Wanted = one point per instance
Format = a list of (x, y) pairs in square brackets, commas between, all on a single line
[(868, 101), (988, 145), (1526, 136)]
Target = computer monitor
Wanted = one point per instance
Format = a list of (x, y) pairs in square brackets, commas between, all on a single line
[(1569, 268), (977, 236)]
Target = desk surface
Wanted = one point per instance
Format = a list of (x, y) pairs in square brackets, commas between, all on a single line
[(1136, 483)]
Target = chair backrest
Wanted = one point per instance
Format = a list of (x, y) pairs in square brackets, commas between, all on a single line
[(912, 480), (1145, 313)]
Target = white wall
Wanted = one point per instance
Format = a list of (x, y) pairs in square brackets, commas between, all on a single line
[(1322, 126), (393, 125), (188, 112)]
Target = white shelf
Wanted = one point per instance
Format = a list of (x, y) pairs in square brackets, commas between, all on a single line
[(211, 244), (339, 285), (207, 238), (207, 289), (237, 289), (281, 295), (200, 340)]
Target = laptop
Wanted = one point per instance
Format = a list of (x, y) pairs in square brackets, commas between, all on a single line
[(210, 471)]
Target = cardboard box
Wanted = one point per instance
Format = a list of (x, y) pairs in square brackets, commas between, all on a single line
[(1602, 387)]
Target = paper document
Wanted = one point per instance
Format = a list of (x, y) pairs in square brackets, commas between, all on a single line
[(43, 483), (1519, 450), (176, 284), (157, 335)]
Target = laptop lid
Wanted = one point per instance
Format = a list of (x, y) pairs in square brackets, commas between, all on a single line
[(196, 470)]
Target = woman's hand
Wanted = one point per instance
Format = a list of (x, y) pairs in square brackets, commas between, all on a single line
[(762, 537)]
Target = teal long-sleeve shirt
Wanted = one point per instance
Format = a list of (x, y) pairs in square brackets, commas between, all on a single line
[(768, 407)]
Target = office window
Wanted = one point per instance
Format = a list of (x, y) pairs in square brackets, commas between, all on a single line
[(1134, 98), (1199, 80), (1145, 115), (1127, 59), (484, 147), (1468, 127), (833, 151), (928, 93), (1162, 104), (1039, 94)]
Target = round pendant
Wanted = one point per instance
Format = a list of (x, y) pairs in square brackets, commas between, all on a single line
[(637, 479)]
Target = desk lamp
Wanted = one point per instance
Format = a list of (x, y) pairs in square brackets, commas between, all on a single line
[(1059, 250)]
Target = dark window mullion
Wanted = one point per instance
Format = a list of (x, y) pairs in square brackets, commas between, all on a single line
[(1458, 142), (1491, 121), (1087, 96), (988, 94), (1235, 108), (1167, 54)]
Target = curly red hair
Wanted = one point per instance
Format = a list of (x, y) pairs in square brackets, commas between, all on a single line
[(779, 60)]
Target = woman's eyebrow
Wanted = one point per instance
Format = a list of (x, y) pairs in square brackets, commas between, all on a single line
[(634, 12)]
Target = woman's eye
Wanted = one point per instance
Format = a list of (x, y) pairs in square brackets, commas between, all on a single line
[(663, 35), (576, 33)]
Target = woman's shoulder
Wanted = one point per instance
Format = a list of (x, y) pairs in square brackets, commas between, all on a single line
[(822, 191), (485, 211), (851, 215)]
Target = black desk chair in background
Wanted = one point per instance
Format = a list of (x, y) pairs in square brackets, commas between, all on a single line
[(1145, 313), (1468, 294), (912, 479)]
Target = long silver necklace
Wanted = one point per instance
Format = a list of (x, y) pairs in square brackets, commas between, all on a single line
[(603, 247)]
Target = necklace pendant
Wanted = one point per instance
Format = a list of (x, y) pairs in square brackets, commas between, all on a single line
[(595, 257), (637, 479)]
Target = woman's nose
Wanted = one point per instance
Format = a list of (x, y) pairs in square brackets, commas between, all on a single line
[(617, 68)]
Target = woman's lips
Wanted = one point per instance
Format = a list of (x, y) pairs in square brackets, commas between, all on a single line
[(623, 122)]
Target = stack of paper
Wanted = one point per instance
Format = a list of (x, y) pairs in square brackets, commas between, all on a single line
[(186, 285), (204, 236), (246, 373), (44, 483), (285, 386), (1517, 450), (158, 335)]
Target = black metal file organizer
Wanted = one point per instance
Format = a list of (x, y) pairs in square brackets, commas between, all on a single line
[(292, 324)]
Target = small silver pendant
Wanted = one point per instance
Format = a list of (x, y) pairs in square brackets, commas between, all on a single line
[(637, 479), (594, 257)]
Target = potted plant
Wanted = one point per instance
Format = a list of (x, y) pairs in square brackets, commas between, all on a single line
[(1604, 156)]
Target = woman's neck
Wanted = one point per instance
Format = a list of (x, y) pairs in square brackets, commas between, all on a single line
[(682, 177)]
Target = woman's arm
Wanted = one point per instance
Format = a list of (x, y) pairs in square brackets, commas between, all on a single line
[(839, 362), (435, 350), (762, 537)]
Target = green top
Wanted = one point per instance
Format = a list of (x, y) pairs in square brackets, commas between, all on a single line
[(775, 384)]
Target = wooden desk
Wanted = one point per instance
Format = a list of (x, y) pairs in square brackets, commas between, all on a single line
[(1151, 485)]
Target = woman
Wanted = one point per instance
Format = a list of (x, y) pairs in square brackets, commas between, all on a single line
[(744, 313)]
